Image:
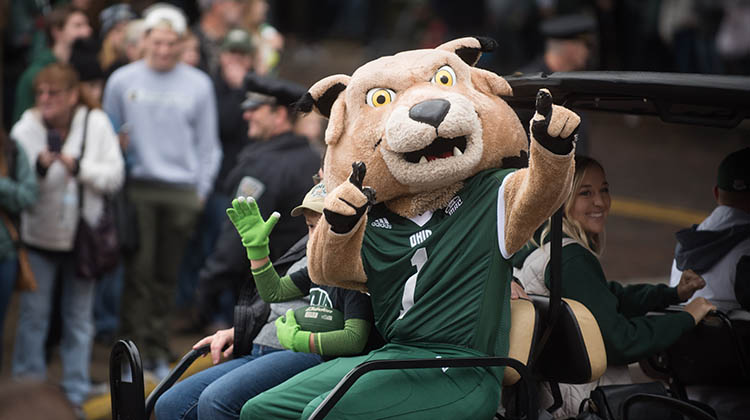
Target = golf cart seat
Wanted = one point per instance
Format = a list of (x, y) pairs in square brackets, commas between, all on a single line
[(576, 339)]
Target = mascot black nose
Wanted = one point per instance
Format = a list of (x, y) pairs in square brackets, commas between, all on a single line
[(430, 112)]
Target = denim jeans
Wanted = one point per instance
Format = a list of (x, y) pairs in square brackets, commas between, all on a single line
[(220, 391), (107, 301), (8, 272), (77, 328)]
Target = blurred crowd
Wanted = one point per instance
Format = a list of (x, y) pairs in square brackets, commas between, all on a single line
[(151, 112)]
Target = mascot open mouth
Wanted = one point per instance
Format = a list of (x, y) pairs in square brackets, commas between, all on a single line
[(440, 148)]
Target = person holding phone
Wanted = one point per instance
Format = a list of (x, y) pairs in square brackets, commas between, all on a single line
[(53, 133)]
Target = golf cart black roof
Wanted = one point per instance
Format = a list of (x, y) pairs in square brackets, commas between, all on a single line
[(715, 100)]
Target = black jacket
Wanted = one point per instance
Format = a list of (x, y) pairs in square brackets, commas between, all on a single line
[(232, 129), (278, 173)]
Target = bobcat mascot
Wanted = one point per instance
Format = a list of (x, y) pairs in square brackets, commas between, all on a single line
[(426, 206)]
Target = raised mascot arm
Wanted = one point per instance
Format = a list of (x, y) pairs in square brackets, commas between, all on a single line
[(334, 250), (534, 193)]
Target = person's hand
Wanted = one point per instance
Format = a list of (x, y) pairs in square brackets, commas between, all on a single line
[(690, 281), (253, 230), (124, 139), (699, 308), (516, 291), (290, 334), (346, 204), (71, 164), (218, 341), (46, 158)]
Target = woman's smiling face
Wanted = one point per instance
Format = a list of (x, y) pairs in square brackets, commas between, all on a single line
[(592, 201)]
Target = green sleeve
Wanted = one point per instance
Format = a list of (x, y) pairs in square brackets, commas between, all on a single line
[(273, 289), (21, 192), (626, 339), (347, 342), (24, 93), (638, 299)]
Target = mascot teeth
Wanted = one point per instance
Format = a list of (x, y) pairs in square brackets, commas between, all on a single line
[(441, 148)]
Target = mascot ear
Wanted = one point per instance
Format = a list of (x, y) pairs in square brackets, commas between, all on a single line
[(323, 97), (323, 94), (490, 83), (470, 48)]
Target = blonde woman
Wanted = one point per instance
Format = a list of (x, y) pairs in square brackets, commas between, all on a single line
[(52, 133), (629, 334)]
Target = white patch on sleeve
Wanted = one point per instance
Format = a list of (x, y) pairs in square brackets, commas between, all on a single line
[(501, 218), (250, 187)]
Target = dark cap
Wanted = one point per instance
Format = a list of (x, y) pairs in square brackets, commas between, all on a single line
[(263, 90), (734, 172), (238, 40), (568, 26), (83, 58), (112, 15)]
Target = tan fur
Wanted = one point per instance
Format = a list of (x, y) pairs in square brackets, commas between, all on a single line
[(534, 193), (347, 192), (333, 259), (381, 137)]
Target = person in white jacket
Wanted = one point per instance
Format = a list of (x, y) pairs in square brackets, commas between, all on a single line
[(52, 133)]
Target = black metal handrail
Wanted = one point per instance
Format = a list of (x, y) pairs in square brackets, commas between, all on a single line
[(173, 376), (460, 362)]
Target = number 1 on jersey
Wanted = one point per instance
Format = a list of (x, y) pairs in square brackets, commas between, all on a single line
[(407, 300)]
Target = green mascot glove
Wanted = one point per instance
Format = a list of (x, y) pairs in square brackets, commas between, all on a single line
[(253, 230), (290, 335)]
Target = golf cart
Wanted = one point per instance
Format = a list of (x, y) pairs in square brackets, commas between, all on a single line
[(549, 330)]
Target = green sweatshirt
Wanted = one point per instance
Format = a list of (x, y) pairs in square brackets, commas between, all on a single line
[(349, 341), (629, 334), (25, 98)]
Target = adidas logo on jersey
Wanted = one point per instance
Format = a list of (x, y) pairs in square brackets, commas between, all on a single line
[(382, 223), (453, 205)]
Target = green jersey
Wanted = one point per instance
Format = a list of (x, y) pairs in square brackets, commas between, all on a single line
[(440, 279)]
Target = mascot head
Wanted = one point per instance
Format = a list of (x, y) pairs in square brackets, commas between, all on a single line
[(422, 121)]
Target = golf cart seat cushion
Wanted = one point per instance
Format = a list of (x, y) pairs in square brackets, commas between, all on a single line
[(574, 352), (524, 330)]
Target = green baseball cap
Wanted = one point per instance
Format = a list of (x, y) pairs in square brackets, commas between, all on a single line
[(734, 172), (238, 40)]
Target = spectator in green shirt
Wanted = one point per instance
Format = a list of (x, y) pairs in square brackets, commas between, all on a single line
[(63, 26), (629, 334)]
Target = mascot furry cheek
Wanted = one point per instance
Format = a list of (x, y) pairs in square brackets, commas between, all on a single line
[(423, 122)]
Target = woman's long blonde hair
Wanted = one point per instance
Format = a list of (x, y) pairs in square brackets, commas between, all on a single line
[(593, 242)]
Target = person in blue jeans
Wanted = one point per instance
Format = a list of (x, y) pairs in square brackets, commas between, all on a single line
[(18, 190), (281, 349)]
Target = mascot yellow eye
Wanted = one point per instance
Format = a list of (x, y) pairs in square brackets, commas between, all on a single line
[(445, 76), (380, 96)]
